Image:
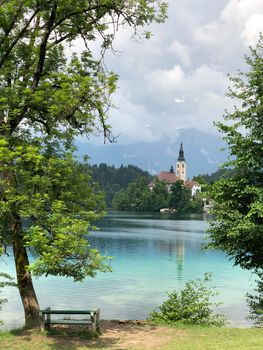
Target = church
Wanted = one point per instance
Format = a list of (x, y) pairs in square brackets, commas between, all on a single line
[(180, 174)]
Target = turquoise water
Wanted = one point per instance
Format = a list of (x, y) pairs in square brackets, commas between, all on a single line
[(153, 254)]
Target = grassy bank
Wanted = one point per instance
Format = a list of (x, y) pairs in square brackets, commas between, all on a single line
[(134, 337), (217, 339)]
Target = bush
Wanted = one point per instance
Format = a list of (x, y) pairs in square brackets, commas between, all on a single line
[(255, 304), (190, 305)]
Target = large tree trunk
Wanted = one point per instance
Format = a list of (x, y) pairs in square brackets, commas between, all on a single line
[(24, 279)]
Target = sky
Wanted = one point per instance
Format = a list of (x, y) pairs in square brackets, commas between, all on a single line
[(178, 78)]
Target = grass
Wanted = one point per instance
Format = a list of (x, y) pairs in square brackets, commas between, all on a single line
[(203, 338), (179, 338), (55, 339)]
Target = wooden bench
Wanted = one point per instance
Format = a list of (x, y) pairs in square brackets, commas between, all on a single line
[(92, 318)]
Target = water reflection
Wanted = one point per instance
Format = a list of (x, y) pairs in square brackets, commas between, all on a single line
[(180, 251)]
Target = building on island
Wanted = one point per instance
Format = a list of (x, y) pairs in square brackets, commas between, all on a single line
[(168, 177), (194, 186), (180, 174)]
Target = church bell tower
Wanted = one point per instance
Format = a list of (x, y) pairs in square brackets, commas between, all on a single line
[(181, 165)]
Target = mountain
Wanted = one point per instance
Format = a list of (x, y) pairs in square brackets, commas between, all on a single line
[(202, 152)]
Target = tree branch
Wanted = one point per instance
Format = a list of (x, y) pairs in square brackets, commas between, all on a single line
[(12, 23), (43, 47), (15, 41)]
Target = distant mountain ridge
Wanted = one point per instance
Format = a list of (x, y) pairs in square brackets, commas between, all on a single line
[(202, 151)]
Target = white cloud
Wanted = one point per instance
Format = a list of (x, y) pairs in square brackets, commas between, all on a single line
[(179, 99), (238, 11), (203, 91), (207, 34), (253, 26), (239, 23), (181, 52), (178, 78), (131, 121), (166, 79)]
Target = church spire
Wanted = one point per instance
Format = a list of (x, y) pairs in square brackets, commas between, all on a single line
[(181, 165), (181, 154)]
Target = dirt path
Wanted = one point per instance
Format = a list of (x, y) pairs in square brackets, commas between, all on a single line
[(133, 334), (116, 335)]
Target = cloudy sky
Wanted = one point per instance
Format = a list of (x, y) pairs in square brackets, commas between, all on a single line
[(178, 78)]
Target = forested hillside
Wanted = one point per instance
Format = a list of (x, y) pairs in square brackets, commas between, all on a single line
[(122, 184), (113, 180), (210, 179)]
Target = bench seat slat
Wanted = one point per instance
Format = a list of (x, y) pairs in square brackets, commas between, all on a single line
[(70, 322), (68, 312)]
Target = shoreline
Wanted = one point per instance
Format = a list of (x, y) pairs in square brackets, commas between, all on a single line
[(134, 335)]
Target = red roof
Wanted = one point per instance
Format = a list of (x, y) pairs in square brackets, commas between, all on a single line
[(191, 184), (168, 177)]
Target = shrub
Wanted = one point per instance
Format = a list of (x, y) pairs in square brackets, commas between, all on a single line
[(255, 304), (190, 305)]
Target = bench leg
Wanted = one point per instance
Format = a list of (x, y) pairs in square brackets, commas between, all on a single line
[(93, 322), (98, 321), (42, 323), (47, 323)]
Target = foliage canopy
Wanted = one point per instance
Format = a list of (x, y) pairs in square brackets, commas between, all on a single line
[(238, 228), (139, 197), (255, 303), (112, 180), (47, 98)]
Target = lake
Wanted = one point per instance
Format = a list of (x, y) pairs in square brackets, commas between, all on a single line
[(153, 254)]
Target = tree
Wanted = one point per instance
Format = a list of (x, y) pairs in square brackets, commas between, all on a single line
[(238, 228), (134, 197), (121, 201), (207, 180), (180, 196), (255, 304), (46, 100), (47, 207), (201, 179), (158, 197), (196, 205), (112, 180), (139, 197)]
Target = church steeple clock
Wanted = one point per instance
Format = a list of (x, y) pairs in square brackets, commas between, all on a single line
[(181, 165)]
